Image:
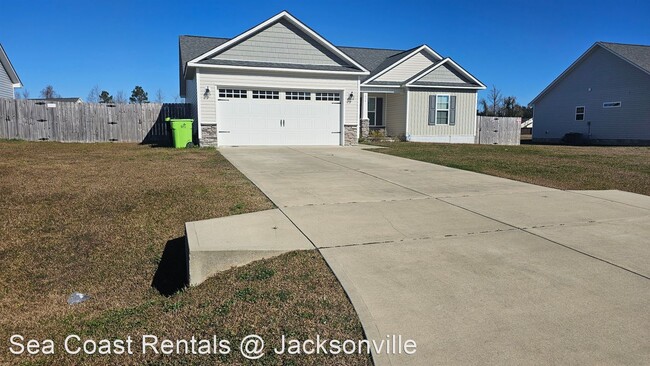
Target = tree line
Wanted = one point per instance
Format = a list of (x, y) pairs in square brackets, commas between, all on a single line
[(97, 95), (495, 104)]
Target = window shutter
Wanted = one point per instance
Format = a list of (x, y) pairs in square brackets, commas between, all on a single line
[(452, 110), (432, 110)]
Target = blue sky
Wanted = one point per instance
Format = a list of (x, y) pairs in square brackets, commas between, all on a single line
[(518, 46)]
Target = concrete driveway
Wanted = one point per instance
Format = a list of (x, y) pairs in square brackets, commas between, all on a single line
[(476, 269)]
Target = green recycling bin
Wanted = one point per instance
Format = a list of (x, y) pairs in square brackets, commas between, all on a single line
[(181, 132)]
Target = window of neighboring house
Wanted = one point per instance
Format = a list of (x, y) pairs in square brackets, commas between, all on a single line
[(334, 97), (442, 109), (612, 105), (232, 93), (266, 94), (375, 112), (580, 113), (298, 95)]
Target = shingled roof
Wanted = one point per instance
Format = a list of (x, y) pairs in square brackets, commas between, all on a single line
[(373, 59), (638, 55)]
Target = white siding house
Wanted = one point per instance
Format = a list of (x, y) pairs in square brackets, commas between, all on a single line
[(280, 83), (9, 79), (604, 96)]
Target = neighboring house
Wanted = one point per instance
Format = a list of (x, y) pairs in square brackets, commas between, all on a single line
[(281, 83), (63, 100), (9, 79), (604, 96)]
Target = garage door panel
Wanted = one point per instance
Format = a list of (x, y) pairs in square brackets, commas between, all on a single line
[(250, 121)]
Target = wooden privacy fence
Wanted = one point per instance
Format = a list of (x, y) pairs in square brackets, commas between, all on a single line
[(499, 130), (88, 122)]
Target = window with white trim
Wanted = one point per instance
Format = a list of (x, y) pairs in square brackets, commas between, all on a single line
[(375, 112), (580, 113), (612, 105), (442, 109), (266, 94), (298, 95), (334, 97), (232, 93)]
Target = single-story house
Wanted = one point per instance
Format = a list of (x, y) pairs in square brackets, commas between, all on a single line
[(281, 83), (9, 79), (603, 98)]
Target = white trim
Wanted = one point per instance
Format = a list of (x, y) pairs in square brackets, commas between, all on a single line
[(612, 106), (435, 118), (234, 67), (408, 107), (451, 139), (584, 113), (424, 47), (17, 85), (360, 100), (280, 88), (198, 104), (297, 23), (445, 87), (455, 66), (382, 86)]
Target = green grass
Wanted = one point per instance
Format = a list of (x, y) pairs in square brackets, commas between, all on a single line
[(563, 167), (96, 218)]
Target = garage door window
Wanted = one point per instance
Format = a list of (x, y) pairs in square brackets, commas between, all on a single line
[(298, 95), (334, 97), (266, 94), (232, 93)]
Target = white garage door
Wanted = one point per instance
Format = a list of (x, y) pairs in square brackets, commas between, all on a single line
[(274, 117)]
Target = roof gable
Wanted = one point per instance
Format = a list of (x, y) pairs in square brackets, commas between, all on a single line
[(9, 69), (446, 73), (405, 64), (279, 40), (636, 55)]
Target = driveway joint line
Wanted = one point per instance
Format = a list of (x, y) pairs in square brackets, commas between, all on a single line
[(609, 200), (553, 241)]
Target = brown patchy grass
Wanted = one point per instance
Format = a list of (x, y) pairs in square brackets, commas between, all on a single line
[(96, 218), (563, 167)]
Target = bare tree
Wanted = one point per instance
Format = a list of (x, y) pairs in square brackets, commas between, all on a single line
[(119, 97), (48, 92), (495, 99), (93, 96), (493, 106), (160, 97), (25, 94)]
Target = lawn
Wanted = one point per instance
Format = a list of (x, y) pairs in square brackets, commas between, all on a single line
[(107, 220), (563, 167)]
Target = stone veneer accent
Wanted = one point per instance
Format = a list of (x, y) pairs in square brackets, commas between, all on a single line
[(208, 136), (351, 135), (365, 128)]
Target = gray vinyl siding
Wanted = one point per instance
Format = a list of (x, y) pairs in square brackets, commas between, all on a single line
[(395, 114), (408, 68), (611, 79), (190, 96), (282, 43), (6, 86), (463, 131), (272, 80), (444, 74)]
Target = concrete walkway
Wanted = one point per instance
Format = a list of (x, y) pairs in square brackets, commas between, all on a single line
[(476, 269)]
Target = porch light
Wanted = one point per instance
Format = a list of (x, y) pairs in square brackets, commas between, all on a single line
[(207, 92), (351, 96)]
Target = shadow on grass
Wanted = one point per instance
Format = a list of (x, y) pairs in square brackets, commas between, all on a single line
[(171, 275)]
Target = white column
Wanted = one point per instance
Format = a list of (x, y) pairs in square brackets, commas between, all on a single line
[(364, 105)]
